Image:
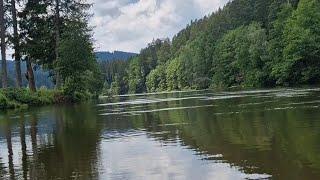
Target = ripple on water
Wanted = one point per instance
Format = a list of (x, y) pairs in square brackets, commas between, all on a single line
[(155, 110), (149, 101), (189, 143), (115, 134)]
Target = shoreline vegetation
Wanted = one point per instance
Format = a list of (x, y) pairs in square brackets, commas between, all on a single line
[(56, 37), (23, 98), (247, 43), (14, 98)]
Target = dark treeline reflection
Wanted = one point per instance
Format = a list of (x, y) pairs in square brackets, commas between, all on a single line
[(49, 144), (274, 133)]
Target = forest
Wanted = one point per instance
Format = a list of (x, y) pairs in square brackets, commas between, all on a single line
[(247, 43), (53, 35)]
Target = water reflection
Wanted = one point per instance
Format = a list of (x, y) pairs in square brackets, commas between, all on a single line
[(53, 143), (10, 152), (23, 146), (266, 134)]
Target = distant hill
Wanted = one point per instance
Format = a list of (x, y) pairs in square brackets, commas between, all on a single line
[(42, 77), (116, 55)]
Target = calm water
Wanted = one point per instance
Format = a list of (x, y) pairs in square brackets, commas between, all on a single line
[(265, 134)]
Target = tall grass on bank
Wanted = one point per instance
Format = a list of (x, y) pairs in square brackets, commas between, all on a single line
[(15, 98)]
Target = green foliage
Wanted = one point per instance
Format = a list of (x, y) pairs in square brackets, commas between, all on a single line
[(46, 96), (172, 73), (163, 53), (54, 36), (240, 58), (3, 101), (94, 80), (302, 44), (37, 41), (115, 74), (116, 86), (156, 80), (248, 43), (77, 64), (277, 44), (23, 96), (198, 55), (14, 98), (136, 76)]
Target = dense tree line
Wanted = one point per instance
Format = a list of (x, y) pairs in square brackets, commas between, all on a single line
[(53, 35), (247, 43)]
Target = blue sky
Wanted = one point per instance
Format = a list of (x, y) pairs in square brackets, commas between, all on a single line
[(129, 25)]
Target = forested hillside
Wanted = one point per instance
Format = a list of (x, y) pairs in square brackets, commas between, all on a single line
[(42, 78), (247, 43), (103, 56)]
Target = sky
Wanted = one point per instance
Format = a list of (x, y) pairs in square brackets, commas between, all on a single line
[(129, 25)]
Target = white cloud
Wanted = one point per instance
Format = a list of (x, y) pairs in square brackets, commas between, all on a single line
[(130, 24)]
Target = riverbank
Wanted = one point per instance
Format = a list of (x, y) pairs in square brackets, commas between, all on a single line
[(22, 98)]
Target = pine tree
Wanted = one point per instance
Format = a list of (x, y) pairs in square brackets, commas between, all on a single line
[(37, 43)]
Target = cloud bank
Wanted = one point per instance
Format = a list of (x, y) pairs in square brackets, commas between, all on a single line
[(129, 25)]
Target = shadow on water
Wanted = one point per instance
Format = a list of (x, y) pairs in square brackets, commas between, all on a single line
[(271, 134), (49, 143)]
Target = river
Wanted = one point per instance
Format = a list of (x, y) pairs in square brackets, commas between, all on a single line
[(254, 134)]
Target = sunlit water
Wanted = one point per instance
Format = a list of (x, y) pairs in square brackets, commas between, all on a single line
[(263, 134)]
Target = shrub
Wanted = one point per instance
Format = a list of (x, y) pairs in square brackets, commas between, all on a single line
[(17, 97), (3, 101), (46, 96)]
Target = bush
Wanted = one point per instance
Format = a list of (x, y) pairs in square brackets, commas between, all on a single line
[(26, 97), (16, 98), (3, 101), (11, 98), (72, 92), (46, 96)]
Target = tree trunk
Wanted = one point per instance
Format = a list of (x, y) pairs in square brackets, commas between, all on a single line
[(3, 46), (16, 45), (30, 76), (57, 34)]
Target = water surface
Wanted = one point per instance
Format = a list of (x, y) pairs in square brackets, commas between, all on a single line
[(262, 134)]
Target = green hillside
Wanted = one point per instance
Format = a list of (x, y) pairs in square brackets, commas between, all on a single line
[(247, 43)]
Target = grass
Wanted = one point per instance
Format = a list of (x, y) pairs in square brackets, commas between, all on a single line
[(16, 98)]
